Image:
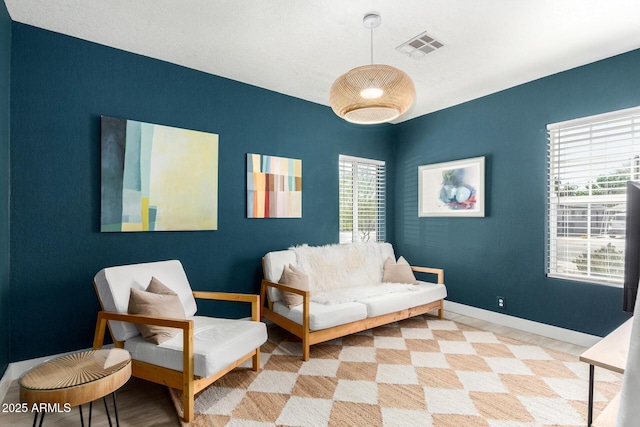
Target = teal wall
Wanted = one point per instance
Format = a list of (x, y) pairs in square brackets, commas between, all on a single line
[(504, 253), (5, 68), (61, 86)]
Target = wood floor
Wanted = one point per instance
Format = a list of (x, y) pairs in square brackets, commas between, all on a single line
[(141, 403)]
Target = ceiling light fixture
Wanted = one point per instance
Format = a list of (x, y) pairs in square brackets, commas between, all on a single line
[(373, 93)]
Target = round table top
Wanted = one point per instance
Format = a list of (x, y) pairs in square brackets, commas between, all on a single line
[(77, 378)]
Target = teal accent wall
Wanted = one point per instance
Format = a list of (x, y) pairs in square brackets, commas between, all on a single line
[(504, 253), (5, 72), (61, 86)]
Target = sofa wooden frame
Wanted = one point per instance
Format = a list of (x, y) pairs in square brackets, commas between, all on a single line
[(310, 338), (185, 380)]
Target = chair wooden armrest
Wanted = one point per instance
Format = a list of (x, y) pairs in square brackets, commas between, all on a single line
[(438, 271), (187, 345), (104, 316), (229, 296)]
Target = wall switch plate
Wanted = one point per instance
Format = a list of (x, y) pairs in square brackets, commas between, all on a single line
[(501, 302)]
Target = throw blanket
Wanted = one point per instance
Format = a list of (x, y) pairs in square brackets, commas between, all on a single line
[(341, 273)]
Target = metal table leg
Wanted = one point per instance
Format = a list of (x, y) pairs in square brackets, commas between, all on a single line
[(591, 383), (106, 409), (35, 419), (115, 408)]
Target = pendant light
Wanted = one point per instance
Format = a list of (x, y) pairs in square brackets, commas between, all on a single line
[(373, 93)]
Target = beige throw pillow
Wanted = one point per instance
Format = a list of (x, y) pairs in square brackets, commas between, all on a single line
[(398, 272), (295, 278), (157, 300)]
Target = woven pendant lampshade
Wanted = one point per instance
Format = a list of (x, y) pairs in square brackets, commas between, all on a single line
[(373, 93)]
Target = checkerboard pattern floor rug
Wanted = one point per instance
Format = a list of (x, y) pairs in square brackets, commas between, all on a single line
[(416, 372)]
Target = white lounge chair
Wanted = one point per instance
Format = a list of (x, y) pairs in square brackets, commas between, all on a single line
[(204, 350)]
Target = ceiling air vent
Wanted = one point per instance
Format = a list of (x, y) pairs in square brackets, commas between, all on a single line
[(419, 46)]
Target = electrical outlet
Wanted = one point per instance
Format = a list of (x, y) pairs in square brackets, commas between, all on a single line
[(502, 303)]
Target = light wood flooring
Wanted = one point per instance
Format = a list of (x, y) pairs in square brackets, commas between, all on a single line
[(142, 403)]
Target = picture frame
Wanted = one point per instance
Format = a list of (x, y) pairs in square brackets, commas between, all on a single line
[(157, 178), (274, 186), (452, 189)]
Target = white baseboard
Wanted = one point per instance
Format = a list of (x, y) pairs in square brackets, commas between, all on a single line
[(549, 331)]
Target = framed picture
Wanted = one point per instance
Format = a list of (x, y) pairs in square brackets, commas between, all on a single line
[(274, 187), (157, 178), (451, 188)]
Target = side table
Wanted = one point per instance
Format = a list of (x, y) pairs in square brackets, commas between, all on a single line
[(74, 380), (609, 353)]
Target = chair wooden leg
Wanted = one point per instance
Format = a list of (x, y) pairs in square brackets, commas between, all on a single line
[(441, 310), (188, 390), (305, 350), (256, 360), (188, 405)]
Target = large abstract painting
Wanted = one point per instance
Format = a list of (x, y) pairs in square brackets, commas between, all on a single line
[(452, 188), (157, 178), (274, 187)]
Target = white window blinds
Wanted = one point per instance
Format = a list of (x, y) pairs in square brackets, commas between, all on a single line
[(362, 199), (589, 162)]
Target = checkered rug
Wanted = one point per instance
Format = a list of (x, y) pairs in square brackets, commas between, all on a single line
[(416, 372)]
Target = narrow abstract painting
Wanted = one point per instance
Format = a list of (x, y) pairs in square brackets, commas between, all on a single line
[(157, 178), (274, 187)]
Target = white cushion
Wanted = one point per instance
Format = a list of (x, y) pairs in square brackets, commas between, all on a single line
[(423, 293), (323, 316), (114, 283), (274, 263), (217, 343)]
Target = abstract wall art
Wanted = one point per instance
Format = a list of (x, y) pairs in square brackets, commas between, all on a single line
[(452, 188), (157, 178), (274, 187)]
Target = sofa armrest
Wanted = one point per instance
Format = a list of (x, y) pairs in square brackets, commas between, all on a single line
[(437, 271), (305, 294), (267, 283), (306, 299), (228, 296)]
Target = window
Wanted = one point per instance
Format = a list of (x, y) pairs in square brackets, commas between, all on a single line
[(362, 204), (590, 160)]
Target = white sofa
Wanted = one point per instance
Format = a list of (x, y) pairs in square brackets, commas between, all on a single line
[(353, 274)]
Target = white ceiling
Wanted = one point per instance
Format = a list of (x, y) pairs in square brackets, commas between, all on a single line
[(299, 47)]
